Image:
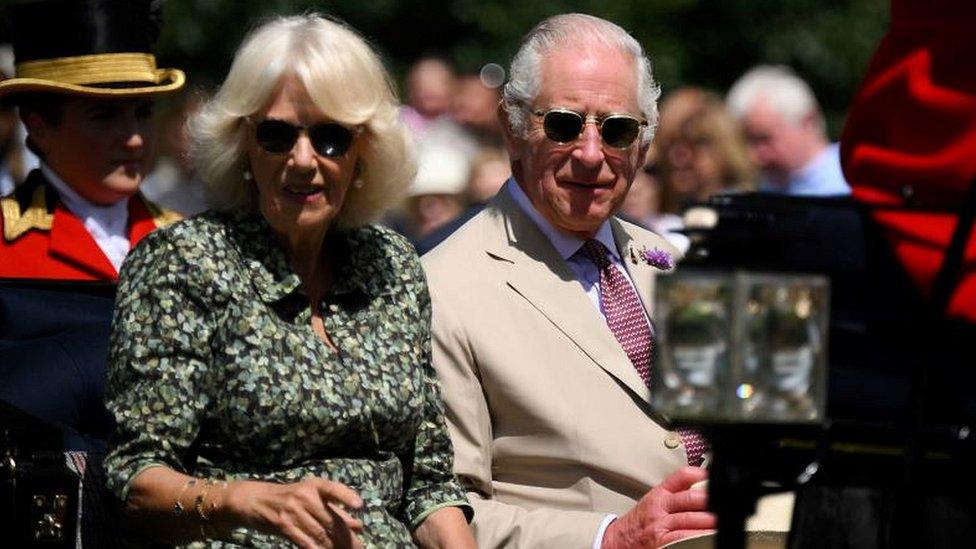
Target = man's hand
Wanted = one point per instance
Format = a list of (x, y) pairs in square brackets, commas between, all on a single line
[(669, 512)]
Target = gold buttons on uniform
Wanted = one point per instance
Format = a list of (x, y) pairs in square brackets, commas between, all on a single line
[(672, 441)]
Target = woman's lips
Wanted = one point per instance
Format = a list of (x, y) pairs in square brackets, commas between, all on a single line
[(304, 194)]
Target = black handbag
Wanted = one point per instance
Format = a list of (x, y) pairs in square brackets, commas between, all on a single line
[(39, 491)]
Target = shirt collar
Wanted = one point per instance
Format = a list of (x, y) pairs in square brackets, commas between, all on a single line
[(112, 218), (272, 274), (566, 244)]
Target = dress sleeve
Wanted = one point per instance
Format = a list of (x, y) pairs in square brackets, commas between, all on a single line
[(431, 483), (158, 359)]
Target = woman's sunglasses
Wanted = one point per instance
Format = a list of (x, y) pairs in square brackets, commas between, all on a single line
[(564, 126), (328, 139)]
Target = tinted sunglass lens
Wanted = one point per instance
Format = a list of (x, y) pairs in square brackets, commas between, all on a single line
[(620, 131), (562, 127), (276, 136), (330, 139)]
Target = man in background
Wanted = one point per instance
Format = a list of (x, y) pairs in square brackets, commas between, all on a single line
[(785, 133)]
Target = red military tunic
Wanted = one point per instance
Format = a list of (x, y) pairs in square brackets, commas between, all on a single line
[(910, 139), (43, 239)]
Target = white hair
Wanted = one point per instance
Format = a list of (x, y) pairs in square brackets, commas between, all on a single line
[(785, 92), (573, 30), (346, 80)]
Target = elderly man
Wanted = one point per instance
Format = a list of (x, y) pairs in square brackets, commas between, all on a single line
[(542, 338), (785, 133)]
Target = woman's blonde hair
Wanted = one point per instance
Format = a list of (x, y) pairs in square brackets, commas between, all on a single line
[(346, 80)]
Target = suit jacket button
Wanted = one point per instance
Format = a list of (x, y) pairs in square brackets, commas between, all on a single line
[(672, 441)]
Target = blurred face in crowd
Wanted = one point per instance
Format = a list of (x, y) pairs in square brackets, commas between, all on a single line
[(642, 201), (430, 87), (102, 148), (299, 189), (776, 145), (487, 177), (430, 212), (576, 186), (475, 105)]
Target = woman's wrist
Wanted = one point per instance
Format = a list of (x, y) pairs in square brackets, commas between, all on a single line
[(205, 504), (224, 508)]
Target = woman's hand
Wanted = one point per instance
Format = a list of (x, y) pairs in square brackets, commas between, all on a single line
[(311, 513)]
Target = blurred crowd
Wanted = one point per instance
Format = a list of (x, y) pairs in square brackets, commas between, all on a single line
[(766, 133)]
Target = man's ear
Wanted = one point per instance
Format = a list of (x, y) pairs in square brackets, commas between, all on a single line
[(642, 157), (513, 143), (38, 130)]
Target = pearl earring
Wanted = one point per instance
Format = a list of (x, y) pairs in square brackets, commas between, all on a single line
[(357, 175), (248, 175)]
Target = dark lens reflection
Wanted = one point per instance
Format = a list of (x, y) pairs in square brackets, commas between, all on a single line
[(330, 139), (619, 131), (562, 127), (277, 136), (565, 126)]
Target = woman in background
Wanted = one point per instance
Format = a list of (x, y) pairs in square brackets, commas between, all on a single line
[(704, 152), (269, 366)]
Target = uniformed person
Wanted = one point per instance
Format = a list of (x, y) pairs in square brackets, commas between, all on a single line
[(85, 82)]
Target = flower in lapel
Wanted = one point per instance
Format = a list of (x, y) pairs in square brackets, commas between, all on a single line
[(656, 258)]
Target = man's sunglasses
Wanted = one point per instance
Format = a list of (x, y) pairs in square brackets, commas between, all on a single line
[(564, 126), (328, 139)]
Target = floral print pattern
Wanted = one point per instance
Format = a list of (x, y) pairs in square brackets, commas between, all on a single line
[(215, 371)]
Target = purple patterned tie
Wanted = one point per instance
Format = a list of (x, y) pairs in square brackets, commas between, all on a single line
[(625, 317)]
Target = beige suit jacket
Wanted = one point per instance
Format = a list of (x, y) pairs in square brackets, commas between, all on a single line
[(549, 418)]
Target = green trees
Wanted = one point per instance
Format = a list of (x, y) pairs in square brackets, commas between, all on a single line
[(701, 42)]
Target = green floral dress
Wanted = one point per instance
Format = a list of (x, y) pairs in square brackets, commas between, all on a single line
[(214, 370)]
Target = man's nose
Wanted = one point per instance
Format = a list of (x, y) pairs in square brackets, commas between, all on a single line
[(589, 147)]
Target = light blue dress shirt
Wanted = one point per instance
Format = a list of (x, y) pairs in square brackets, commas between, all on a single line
[(822, 176)]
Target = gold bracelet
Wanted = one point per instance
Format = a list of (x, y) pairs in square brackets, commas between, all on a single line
[(200, 504), (178, 505)]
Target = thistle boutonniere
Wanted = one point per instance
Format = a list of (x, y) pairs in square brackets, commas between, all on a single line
[(656, 258)]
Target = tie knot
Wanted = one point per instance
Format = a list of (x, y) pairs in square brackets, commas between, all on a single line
[(596, 252)]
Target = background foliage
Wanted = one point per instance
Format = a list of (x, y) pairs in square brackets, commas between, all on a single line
[(701, 42)]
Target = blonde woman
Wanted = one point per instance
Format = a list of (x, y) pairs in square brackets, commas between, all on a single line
[(269, 366)]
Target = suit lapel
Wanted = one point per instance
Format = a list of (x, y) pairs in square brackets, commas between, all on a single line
[(642, 274), (542, 277)]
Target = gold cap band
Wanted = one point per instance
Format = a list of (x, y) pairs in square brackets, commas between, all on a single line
[(93, 69)]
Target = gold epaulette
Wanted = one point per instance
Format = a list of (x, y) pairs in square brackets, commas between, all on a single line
[(16, 222), (161, 216)]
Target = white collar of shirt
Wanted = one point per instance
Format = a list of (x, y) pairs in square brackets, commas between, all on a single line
[(106, 224), (565, 244)]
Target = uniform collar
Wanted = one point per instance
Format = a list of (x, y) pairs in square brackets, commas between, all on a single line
[(111, 219)]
